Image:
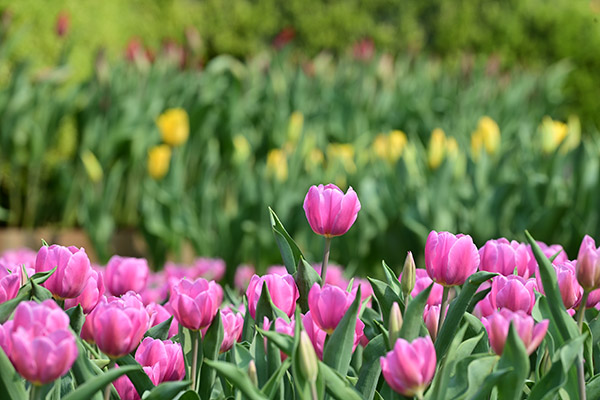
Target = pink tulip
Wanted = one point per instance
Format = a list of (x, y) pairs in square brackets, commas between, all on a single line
[(511, 292), (18, 257), (329, 211), (317, 335), (243, 274), (91, 294), (277, 270), (422, 282), (504, 257), (119, 324), (195, 304), (431, 316), (9, 284), (530, 333), (409, 367), (570, 290), (282, 289), (166, 353), (72, 269), (41, 346), (210, 268), (328, 305), (549, 251), (233, 324), (126, 273), (523, 259), (158, 314), (5, 338), (450, 259), (156, 290), (588, 264), (281, 326), (593, 299), (125, 388)]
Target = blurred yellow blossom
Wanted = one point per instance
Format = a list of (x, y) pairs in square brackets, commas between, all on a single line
[(573, 135), (437, 148), (390, 147), (241, 149), (552, 133), (342, 153), (277, 165), (487, 136), (476, 145), (452, 147), (92, 166), (314, 160), (295, 126), (159, 158), (174, 126)]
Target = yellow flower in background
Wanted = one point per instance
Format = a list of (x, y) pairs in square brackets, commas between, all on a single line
[(380, 146), (174, 126), (452, 147), (277, 165), (490, 134), (241, 149), (476, 145), (437, 148), (314, 160), (573, 136), (390, 147), (553, 133), (295, 125), (159, 158), (92, 166), (342, 153)]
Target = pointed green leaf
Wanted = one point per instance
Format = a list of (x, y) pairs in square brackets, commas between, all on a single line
[(238, 377), (168, 390), (337, 386), (160, 331), (136, 375), (290, 252), (392, 279), (42, 277), (97, 383), (413, 317), (11, 383), (305, 277), (272, 386), (385, 297), (284, 342), (371, 369), (514, 355), (76, 318), (211, 345)]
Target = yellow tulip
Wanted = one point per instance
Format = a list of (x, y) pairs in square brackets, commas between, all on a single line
[(295, 126), (277, 165), (389, 147), (159, 158), (553, 133), (437, 148), (380, 145), (92, 166), (573, 136), (174, 126), (490, 134), (476, 145), (314, 159), (241, 149), (342, 153)]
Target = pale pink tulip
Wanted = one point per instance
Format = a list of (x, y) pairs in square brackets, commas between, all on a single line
[(588, 264), (243, 274)]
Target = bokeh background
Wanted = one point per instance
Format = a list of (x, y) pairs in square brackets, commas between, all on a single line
[(473, 116)]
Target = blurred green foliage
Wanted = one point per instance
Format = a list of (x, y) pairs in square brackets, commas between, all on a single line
[(530, 32)]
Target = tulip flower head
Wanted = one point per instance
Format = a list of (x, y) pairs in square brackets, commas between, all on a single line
[(72, 269), (588, 264), (126, 273), (195, 304), (503, 257), (329, 211), (282, 288), (530, 333), (328, 305), (91, 294), (450, 259), (233, 324), (409, 367), (9, 284)]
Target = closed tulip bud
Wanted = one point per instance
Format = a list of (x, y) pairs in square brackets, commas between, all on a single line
[(165, 353), (309, 364), (252, 373), (91, 294), (126, 273), (450, 259), (409, 367), (498, 323), (329, 211), (409, 275), (328, 305), (233, 324), (588, 264), (431, 316), (282, 288), (174, 126), (159, 158), (395, 323), (570, 290), (72, 270), (195, 304)]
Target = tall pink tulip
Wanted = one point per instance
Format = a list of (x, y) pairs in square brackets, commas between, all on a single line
[(72, 269), (504, 257), (431, 316), (328, 305), (91, 294), (282, 288), (118, 324), (409, 367), (588, 264), (126, 273), (530, 333), (570, 290), (329, 211), (450, 259), (195, 304), (42, 348)]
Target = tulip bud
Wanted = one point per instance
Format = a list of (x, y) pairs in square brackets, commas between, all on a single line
[(409, 275), (252, 373), (395, 323), (588, 264), (309, 366)]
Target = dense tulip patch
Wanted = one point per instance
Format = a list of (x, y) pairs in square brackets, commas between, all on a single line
[(508, 320)]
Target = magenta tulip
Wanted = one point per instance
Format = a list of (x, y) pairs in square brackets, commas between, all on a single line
[(328, 305), (159, 314), (126, 273), (41, 346), (570, 290), (281, 326), (118, 324), (5, 339), (156, 290), (422, 282), (335, 275), (195, 304), (588, 264), (450, 259), (317, 335), (125, 388), (530, 333), (282, 288), (431, 316), (409, 367), (504, 257), (549, 251), (209, 268), (9, 284), (15, 258), (91, 294), (514, 293), (329, 211), (233, 324), (72, 269), (166, 353), (243, 274)]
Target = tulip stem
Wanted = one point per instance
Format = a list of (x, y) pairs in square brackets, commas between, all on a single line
[(325, 260), (195, 340), (35, 393), (111, 364), (442, 310), (313, 391), (580, 370)]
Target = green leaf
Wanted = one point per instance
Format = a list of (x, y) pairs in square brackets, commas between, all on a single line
[(98, 382), (189, 395), (513, 356), (141, 381), (493, 379), (211, 345), (11, 383), (238, 377), (83, 370), (337, 386), (392, 279), (290, 252), (284, 342), (588, 349), (160, 331), (446, 368), (7, 308), (273, 384), (42, 277), (76, 318), (471, 372), (242, 356), (457, 309), (266, 308), (39, 293), (413, 317), (371, 369), (338, 349), (249, 324), (385, 297), (305, 277), (168, 390), (592, 388)]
